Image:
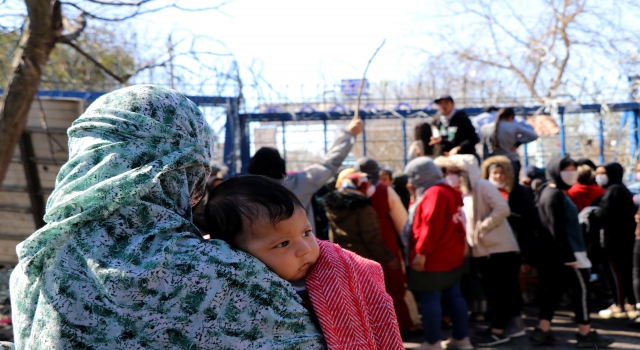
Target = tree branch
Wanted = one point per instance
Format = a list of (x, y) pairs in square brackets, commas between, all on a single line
[(109, 72), (81, 24), (139, 11), (119, 3)]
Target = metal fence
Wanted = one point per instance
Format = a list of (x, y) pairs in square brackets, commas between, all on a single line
[(600, 132)]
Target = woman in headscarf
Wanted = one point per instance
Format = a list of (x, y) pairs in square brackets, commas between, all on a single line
[(563, 261), (120, 265), (494, 248), (617, 212), (435, 238)]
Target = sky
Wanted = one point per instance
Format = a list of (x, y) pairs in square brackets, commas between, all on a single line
[(311, 43)]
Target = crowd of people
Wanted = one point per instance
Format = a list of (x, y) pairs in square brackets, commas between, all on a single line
[(455, 229), (141, 250)]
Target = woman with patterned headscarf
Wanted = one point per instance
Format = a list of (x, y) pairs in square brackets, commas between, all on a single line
[(120, 265)]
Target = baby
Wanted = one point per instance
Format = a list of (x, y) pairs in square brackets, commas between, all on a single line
[(261, 217)]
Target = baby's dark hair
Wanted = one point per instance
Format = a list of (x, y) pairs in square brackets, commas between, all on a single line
[(238, 203)]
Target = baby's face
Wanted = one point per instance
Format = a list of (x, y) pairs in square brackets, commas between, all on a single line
[(289, 248)]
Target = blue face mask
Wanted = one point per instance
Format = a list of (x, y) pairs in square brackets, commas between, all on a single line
[(602, 180)]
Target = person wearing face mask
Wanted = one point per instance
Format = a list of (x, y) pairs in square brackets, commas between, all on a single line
[(617, 212), (495, 251), (392, 216), (524, 219), (563, 262), (353, 224), (586, 191), (434, 240)]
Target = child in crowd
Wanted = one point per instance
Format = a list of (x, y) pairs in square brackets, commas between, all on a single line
[(261, 217), (386, 176)]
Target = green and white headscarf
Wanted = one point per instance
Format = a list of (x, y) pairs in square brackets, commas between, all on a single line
[(120, 265)]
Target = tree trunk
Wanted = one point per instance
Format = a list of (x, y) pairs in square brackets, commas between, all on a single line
[(40, 34)]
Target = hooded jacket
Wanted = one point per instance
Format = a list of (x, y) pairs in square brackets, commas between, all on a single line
[(436, 227), (554, 241), (488, 232), (524, 219), (584, 195), (617, 209), (354, 225)]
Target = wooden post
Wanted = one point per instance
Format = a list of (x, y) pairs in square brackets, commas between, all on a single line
[(33, 180)]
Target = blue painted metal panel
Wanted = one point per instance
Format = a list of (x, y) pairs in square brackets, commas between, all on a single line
[(284, 142), (563, 148), (245, 146), (364, 136), (601, 141), (231, 125), (91, 96), (326, 143), (633, 134), (229, 151), (333, 115), (404, 142)]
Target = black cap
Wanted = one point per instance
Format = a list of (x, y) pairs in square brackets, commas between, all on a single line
[(368, 166), (443, 98)]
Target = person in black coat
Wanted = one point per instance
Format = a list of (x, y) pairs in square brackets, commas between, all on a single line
[(457, 134), (617, 212), (563, 261)]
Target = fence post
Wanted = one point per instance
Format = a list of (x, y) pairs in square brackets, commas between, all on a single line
[(245, 142), (563, 149), (364, 137), (636, 113), (324, 121), (601, 140), (633, 135), (404, 141), (526, 155), (284, 143), (229, 152)]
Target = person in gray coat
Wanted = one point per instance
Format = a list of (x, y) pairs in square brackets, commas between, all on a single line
[(504, 136), (268, 162)]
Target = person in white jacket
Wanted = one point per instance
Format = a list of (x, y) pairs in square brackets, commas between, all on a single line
[(494, 248)]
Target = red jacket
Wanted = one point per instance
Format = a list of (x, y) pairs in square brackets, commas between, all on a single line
[(438, 229), (584, 195)]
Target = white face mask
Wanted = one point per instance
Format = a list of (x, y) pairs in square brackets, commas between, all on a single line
[(569, 177), (638, 176), (498, 184), (453, 180), (602, 180)]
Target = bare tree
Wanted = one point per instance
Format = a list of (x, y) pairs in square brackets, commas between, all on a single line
[(48, 23), (553, 48)]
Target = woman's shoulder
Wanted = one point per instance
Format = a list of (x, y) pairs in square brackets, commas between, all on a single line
[(336, 201), (442, 194), (484, 186)]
